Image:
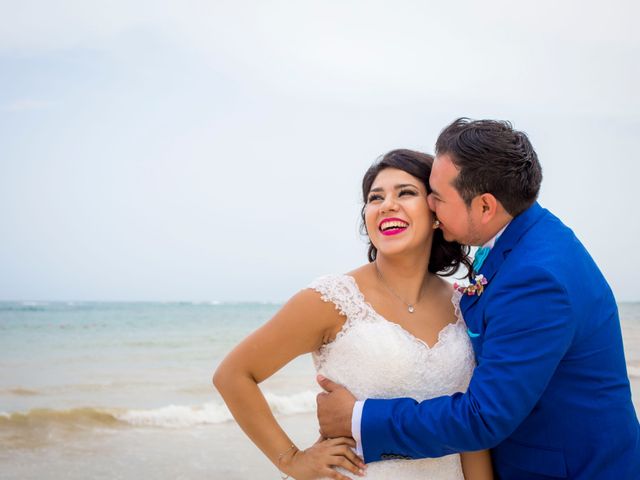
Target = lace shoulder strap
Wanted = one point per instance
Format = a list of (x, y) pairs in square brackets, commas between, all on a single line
[(455, 300), (342, 291)]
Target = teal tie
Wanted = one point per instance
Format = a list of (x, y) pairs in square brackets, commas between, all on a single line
[(479, 258)]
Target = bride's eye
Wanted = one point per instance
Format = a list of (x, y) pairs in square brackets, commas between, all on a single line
[(373, 197), (406, 191)]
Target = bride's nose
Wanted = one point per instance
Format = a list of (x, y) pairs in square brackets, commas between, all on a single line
[(389, 204)]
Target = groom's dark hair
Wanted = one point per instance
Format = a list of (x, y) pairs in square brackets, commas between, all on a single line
[(492, 158)]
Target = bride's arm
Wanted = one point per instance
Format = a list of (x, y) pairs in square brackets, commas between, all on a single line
[(301, 326), (477, 465)]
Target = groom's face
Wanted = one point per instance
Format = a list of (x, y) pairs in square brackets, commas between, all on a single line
[(457, 220)]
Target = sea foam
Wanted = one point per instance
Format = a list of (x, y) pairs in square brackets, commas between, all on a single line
[(169, 416), (179, 416)]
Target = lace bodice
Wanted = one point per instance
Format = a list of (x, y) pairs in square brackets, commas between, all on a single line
[(376, 358)]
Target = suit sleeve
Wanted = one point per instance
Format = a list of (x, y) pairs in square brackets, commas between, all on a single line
[(529, 327)]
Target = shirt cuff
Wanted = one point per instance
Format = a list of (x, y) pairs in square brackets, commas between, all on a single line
[(356, 418)]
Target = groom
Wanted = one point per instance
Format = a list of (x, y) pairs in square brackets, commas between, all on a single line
[(550, 394)]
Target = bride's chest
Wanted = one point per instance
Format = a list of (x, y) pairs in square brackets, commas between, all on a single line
[(380, 359)]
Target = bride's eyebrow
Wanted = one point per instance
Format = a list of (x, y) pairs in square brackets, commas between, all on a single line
[(397, 187)]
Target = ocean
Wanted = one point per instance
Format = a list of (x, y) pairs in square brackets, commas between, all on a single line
[(123, 390)]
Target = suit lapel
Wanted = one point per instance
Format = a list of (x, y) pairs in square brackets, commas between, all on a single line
[(512, 234)]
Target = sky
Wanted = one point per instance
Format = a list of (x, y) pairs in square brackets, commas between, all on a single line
[(214, 150)]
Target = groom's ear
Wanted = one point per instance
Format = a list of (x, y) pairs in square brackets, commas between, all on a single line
[(490, 206)]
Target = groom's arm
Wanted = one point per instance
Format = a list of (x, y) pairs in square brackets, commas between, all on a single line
[(529, 329)]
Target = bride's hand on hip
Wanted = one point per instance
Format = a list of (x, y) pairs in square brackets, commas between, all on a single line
[(318, 460)]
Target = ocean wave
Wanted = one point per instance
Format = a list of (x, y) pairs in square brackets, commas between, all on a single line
[(25, 392), (23, 307), (303, 402), (44, 416), (179, 416), (170, 416)]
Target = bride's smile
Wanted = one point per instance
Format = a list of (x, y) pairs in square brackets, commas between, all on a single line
[(393, 226)]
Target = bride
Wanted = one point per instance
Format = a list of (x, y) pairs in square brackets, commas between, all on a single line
[(390, 328)]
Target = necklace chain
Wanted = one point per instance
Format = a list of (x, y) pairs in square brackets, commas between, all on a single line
[(410, 307)]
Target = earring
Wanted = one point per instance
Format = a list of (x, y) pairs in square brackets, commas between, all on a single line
[(436, 224)]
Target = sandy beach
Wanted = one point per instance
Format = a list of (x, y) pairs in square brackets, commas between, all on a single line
[(211, 451)]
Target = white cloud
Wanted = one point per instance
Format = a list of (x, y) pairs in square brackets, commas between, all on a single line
[(27, 104), (543, 54)]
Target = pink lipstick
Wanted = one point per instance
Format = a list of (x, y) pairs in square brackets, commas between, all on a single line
[(392, 226)]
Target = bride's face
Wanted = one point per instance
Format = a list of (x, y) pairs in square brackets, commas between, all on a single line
[(397, 215)]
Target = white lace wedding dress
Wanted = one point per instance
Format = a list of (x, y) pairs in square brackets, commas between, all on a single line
[(376, 358)]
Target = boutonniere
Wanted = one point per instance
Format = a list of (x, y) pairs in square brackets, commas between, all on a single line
[(476, 287)]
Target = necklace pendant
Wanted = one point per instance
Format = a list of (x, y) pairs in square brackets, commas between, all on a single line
[(411, 309)]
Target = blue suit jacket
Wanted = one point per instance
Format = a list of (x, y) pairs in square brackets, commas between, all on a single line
[(550, 394)]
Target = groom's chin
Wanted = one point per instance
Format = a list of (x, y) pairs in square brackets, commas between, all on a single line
[(448, 237)]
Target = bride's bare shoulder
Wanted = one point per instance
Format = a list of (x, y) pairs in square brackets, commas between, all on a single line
[(310, 300), (364, 275)]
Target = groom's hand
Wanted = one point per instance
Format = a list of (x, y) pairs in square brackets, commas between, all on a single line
[(334, 409)]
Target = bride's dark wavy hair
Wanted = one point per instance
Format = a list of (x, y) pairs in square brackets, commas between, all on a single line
[(446, 257)]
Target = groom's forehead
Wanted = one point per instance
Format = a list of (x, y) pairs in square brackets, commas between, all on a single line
[(443, 171)]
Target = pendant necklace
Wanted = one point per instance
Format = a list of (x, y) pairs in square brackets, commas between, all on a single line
[(410, 307)]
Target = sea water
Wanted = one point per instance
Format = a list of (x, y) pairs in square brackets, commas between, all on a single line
[(132, 359), (123, 390)]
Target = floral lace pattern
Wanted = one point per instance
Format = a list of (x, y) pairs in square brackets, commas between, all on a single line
[(376, 358)]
